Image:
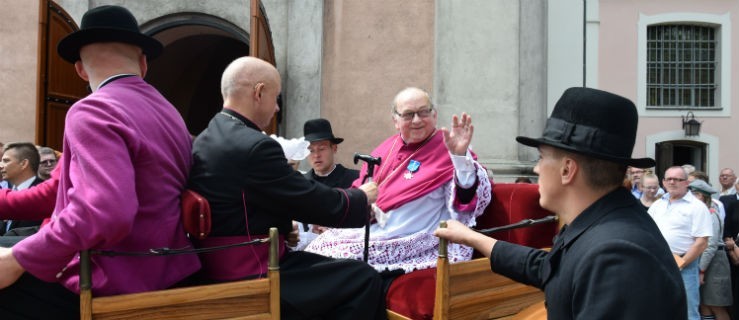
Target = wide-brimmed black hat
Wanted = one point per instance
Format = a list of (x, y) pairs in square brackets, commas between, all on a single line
[(593, 123), (319, 129), (107, 24)]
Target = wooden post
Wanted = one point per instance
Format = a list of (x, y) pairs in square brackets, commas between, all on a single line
[(441, 301), (274, 273), (85, 286)]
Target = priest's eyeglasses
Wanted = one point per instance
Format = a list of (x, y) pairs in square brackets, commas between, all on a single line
[(408, 116)]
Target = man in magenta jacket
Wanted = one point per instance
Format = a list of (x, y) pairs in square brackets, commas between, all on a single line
[(127, 154)]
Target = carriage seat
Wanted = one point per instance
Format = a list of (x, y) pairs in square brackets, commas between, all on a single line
[(412, 295)]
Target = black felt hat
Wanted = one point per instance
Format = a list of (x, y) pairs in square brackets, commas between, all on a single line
[(593, 123), (107, 24), (319, 129)]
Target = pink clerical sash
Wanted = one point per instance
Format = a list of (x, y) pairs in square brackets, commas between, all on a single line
[(399, 183)]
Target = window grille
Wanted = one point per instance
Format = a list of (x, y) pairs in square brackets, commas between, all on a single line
[(681, 67)]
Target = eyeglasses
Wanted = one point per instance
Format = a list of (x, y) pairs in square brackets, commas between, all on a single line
[(48, 163), (674, 179), (651, 188), (726, 176), (408, 116)]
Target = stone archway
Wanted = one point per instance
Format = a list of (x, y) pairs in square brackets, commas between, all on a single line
[(197, 48)]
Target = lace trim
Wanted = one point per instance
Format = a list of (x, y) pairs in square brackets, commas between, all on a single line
[(414, 252)]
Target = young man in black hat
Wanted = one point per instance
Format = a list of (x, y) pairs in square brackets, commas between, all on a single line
[(323, 147), (127, 154), (610, 260)]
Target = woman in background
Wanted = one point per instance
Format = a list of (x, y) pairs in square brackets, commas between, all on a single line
[(715, 277)]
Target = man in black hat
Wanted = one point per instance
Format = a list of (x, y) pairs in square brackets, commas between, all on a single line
[(127, 154), (609, 260), (323, 147)]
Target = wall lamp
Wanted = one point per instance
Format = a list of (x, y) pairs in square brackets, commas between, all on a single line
[(691, 126)]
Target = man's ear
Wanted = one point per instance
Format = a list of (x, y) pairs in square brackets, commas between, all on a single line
[(143, 65), (81, 71), (24, 163), (258, 90), (569, 169)]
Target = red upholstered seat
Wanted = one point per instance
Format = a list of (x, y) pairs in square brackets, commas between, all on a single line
[(412, 294), (513, 202)]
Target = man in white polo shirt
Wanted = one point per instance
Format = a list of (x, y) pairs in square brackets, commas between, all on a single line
[(685, 223)]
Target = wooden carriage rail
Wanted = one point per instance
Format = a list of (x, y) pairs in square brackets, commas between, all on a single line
[(470, 290), (245, 299)]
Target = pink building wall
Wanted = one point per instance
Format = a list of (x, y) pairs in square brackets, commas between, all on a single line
[(617, 71)]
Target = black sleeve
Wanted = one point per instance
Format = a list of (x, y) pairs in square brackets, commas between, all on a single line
[(279, 189), (520, 263), (466, 195)]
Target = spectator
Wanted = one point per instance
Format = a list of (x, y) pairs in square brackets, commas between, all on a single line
[(700, 175), (727, 179), (20, 163), (715, 279), (686, 225), (689, 168), (47, 163), (650, 189), (635, 175)]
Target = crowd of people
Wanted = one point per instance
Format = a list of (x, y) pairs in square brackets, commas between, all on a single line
[(699, 223), (23, 165), (127, 157)]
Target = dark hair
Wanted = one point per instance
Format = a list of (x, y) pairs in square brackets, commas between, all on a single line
[(25, 151), (599, 174), (46, 150), (700, 175), (523, 180)]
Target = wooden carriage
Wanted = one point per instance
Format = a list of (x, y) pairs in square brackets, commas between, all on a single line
[(465, 290), (245, 299), (470, 290)]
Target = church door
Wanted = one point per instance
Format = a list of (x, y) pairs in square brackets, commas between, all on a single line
[(59, 86)]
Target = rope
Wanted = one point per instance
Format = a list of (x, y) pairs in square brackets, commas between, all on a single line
[(169, 252)]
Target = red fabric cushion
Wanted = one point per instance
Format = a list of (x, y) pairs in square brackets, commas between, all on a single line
[(513, 202), (412, 294)]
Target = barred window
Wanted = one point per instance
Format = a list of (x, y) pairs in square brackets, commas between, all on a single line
[(681, 67)]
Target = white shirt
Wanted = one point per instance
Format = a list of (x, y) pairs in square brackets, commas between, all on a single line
[(21, 186), (25, 184), (681, 221), (729, 191)]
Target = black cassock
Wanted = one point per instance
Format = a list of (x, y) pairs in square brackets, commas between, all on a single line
[(244, 175)]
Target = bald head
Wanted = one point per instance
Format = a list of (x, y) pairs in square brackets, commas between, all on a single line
[(410, 93), (244, 73), (250, 86)]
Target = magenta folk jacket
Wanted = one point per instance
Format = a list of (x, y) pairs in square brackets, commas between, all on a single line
[(126, 157)]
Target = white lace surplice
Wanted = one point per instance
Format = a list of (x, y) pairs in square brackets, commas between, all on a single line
[(407, 241)]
